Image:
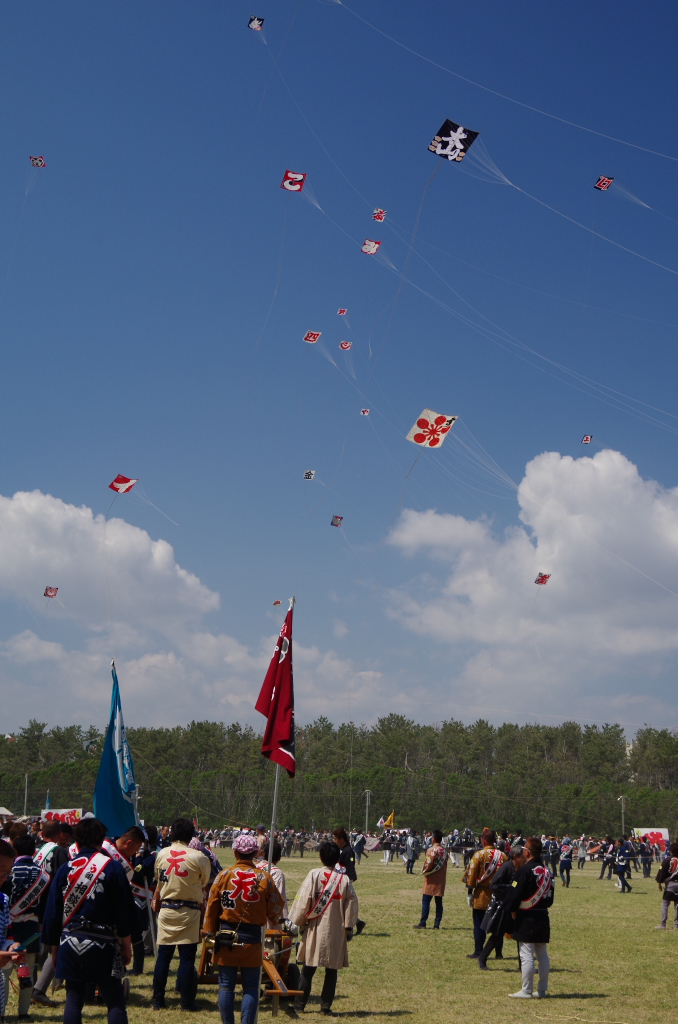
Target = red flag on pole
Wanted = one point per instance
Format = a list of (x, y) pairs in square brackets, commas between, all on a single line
[(276, 702)]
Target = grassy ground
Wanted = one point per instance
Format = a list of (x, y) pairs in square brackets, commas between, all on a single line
[(608, 964)]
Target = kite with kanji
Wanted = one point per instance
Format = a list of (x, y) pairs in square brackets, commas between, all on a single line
[(543, 578), (587, 438), (342, 312), (312, 336), (430, 429), (379, 214), (293, 182), (337, 520), (37, 161), (309, 474), (276, 603), (364, 412), (603, 183), (452, 141), (122, 484), (370, 247), (345, 345), (256, 24), (51, 591)]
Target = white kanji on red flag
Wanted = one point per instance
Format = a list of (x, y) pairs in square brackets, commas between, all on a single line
[(364, 412), (370, 246), (430, 429), (293, 182), (587, 438), (312, 336), (342, 312), (121, 484), (345, 345), (543, 578), (37, 161), (337, 520), (51, 591), (379, 214)]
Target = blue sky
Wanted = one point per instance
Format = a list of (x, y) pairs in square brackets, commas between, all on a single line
[(155, 286)]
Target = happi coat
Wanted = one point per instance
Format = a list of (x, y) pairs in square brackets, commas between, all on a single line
[(181, 875), (434, 871), (479, 875), (323, 942), (244, 899)]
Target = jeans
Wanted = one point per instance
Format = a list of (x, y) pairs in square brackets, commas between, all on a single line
[(409, 867), (426, 906), (646, 867), (478, 933), (186, 977), (529, 952), (328, 991), (111, 991), (565, 866), (250, 993)]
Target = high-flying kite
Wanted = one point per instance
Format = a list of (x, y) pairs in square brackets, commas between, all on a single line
[(337, 520), (309, 474), (122, 484), (312, 336), (430, 429), (256, 24), (379, 214), (37, 161), (603, 183), (370, 247), (51, 591), (452, 141), (543, 578), (342, 312), (276, 603), (346, 345), (587, 438), (364, 412), (293, 182)]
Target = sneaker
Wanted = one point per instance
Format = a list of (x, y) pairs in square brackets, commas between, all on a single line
[(519, 995), (42, 999), (662, 927)]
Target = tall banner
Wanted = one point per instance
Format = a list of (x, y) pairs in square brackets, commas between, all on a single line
[(115, 787), (276, 702)]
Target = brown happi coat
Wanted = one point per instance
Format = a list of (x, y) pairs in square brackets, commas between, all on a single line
[(434, 881), (475, 871), (242, 894)]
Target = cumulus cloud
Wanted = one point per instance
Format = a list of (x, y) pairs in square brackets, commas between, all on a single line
[(606, 621)]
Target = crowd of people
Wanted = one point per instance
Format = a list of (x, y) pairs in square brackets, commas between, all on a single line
[(82, 909)]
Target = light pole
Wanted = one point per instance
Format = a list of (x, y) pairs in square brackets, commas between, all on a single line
[(26, 796), (622, 798), (368, 795)]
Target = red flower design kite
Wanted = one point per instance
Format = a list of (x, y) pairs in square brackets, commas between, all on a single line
[(430, 429)]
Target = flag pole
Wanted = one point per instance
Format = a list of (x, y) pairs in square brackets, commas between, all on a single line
[(275, 808)]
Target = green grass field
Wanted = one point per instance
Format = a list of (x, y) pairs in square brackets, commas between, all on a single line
[(608, 963)]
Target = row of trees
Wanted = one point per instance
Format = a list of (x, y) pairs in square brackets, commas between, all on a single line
[(538, 778)]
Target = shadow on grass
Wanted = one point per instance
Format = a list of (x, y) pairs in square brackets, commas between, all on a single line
[(376, 935), (578, 995)]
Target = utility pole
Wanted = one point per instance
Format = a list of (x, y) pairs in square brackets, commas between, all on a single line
[(368, 795), (26, 796), (622, 798)]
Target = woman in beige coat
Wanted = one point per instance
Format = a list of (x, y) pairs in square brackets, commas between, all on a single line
[(326, 910)]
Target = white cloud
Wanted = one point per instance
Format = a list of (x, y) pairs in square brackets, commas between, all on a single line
[(601, 627)]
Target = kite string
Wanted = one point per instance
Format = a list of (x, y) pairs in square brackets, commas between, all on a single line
[(502, 95), (275, 291), (108, 583)]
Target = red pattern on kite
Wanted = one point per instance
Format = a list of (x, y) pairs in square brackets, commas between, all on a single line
[(293, 182), (543, 578), (312, 336), (122, 484)]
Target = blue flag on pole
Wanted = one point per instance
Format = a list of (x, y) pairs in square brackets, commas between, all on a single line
[(115, 787)]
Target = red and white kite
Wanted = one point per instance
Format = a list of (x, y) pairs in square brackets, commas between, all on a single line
[(122, 484), (430, 429), (379, 214), (543, 578), (293, 182), (37, 161), (587, 438), (345, 345), (312, 336), (276, 603), (370, 247), (51, 591), (364, 412), (342, 312), (603, 183), (337, 520)]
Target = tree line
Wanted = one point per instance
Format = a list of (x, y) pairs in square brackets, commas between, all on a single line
[(449, 775)]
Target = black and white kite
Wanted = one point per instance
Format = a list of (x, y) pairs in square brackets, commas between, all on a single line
[(309, 474), (587, 438), (452, 141)]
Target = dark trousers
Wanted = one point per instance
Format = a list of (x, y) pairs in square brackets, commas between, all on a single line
[(495, 942), (607, 866), (251, 978), (554, 866), (327, 994), (478, 933), (186, 978), (646, 867), (111, 992), (426, 906), (409, 867), (565, 866), (624, 884)]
